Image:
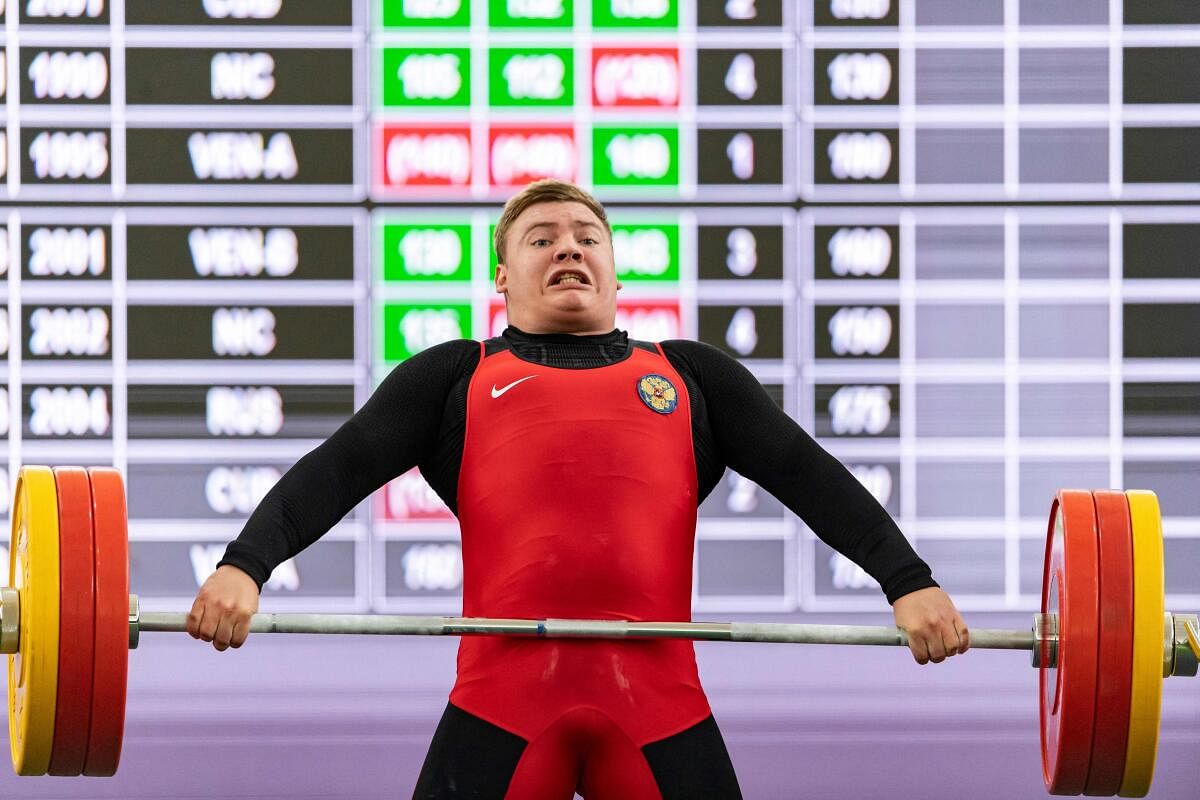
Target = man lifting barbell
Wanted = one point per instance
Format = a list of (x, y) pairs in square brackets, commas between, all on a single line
[(575, 459)]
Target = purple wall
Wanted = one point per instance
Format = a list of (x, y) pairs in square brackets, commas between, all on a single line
[(319, 717)]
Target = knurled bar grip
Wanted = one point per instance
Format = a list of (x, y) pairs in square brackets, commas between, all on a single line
[(389, 624)]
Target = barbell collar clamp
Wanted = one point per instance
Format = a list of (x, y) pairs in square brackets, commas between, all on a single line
[(135, 619), (10, 619), (1185, 644), (1045, 640)]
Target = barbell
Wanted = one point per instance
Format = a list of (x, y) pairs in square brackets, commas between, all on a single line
[(1102, 641)]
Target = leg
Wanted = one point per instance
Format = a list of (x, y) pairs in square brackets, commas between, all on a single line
[(468, 758), (693, 765)]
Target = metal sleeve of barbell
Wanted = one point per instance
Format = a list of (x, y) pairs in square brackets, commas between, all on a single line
[(388, 624)]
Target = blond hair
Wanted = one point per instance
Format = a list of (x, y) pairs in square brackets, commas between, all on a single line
[(549, 190)]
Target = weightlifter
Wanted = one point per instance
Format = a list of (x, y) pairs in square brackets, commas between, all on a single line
[(574, 458)]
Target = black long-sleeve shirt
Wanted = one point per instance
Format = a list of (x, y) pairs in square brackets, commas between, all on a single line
[(417, 416)]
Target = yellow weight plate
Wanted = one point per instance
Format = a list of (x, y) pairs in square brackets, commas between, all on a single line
[(1148, 641), (33, 670)]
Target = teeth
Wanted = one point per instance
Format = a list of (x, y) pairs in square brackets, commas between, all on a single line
[(569, 278)]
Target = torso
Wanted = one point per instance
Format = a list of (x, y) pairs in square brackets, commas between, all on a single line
[(577, 499)]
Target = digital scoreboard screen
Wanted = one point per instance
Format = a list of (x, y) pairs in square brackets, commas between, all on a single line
[(955, 239)]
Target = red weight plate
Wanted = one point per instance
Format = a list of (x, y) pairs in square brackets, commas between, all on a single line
[(112, 622), (76, 622), (1114, 672), (1070, 588)]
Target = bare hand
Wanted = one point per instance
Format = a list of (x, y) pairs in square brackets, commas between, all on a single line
[(934, 627), (223, 607)]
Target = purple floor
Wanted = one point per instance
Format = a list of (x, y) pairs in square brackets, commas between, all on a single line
[(307, 717)]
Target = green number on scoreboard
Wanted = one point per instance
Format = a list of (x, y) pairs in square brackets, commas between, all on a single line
[(646, 252), (531, 76), (530, 13), (426, 252), (635, 156), (409, 328), (428, 76), (426, 13), (636, 13)]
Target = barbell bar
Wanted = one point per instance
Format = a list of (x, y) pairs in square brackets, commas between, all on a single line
[(1181, 642), (67, 621)]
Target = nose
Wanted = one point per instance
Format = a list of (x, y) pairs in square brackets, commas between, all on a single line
[(568, 251)]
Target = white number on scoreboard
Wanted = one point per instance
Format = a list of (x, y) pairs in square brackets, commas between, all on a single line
[(857, 410), (858, 252), (68, 332), (64, 8), (57, 252), (74, 154), (432, 567), (61, 75), (63, 411)]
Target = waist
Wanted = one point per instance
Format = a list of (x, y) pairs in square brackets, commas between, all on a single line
[(573, 582), (650, 687)]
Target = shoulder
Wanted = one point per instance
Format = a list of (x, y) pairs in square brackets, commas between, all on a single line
[(696, 355), (447, 359), (453, 351)]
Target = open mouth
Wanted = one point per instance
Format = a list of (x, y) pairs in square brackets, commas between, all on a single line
[(569, 278)]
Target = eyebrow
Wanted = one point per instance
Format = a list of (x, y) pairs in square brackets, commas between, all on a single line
[(579, 223)]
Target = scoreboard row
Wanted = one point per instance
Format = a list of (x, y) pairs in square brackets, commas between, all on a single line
[(559, 14), (740, 566), (617, 74), (647, 160), (738, 569), (664, 15)]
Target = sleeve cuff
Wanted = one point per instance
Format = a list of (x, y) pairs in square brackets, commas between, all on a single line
[(247, 565), (908, 584)]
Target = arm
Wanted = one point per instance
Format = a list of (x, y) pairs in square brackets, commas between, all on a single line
[(757, 439), (395, 428)]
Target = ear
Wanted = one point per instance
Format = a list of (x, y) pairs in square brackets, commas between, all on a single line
[(501, 279)]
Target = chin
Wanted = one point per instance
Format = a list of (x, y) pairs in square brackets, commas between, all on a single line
[(581, 320), (573, 302)]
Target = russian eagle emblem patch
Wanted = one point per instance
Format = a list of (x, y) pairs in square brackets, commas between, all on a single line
[(657, 393)]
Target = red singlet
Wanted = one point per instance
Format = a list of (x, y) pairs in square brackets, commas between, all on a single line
[(577, 499)]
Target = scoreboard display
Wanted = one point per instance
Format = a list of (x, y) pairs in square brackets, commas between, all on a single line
[(956, 240)]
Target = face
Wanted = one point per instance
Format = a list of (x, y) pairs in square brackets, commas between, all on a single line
[(559, 275)]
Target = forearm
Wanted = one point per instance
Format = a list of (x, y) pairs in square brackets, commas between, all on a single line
[(310, 498), (757, 439), (839, 509), (393, 431)]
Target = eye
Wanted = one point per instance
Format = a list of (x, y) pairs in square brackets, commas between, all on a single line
[(588, 240), (540, 242)]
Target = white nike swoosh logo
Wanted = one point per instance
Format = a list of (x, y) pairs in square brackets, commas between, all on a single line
[(497, 392)]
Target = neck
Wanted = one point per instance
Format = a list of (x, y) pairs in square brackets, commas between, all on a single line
[(551, 331), (529, 326)]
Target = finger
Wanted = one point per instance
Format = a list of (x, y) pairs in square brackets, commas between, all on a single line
[(223, 633), (208, 625), (964, 636), (950, 640), (937, 652), (950, 643), (195, 616), (240, 631), (919, 650)]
